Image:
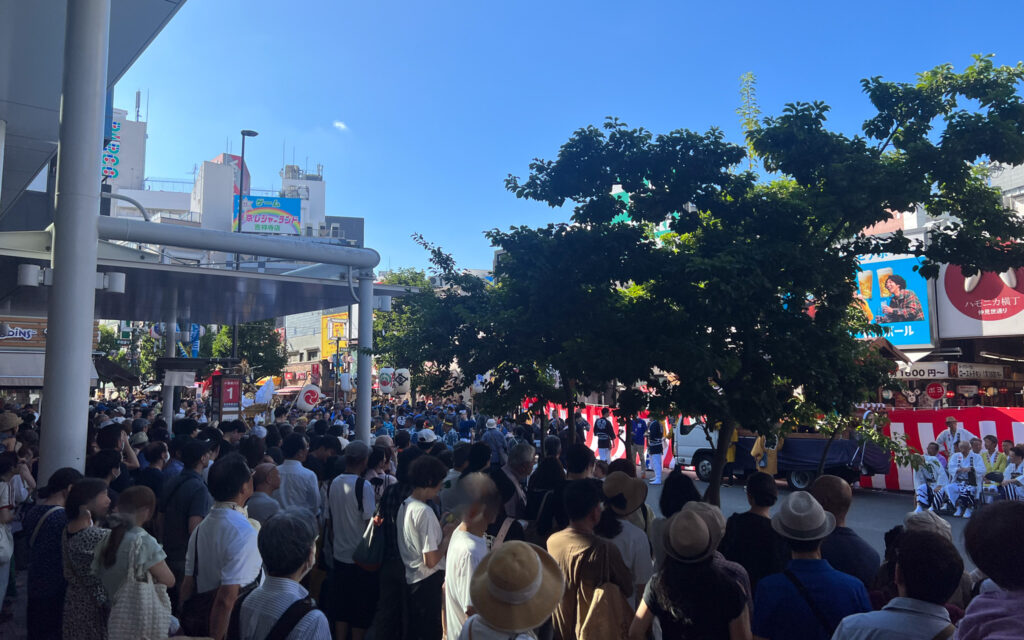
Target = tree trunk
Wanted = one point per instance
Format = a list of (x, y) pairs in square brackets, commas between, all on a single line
[(824, 452), (713, 493), (571, 413)]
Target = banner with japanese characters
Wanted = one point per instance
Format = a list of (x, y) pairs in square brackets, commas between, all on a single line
[(897, 298), (281, 216), (985, 304)]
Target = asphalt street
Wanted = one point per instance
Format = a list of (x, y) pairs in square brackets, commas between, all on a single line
[(873, 513)]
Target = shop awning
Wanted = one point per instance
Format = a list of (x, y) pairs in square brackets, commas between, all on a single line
[(25, 369), (113, 372)]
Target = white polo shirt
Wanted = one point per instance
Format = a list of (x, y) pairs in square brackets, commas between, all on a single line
[(348, 522), (228, 553)]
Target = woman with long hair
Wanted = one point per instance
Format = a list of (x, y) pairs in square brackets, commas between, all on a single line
[(86, 604), (45, 524), (135, 508), (691, 598)]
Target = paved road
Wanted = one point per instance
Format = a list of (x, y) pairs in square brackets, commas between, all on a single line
[(873, 512)]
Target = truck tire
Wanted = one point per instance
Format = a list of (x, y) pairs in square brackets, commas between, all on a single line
[(800, 480), (702, 465)]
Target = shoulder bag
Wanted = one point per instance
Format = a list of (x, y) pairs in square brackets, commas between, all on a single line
[(39, 525), (369, 553), (140, 608), (815, 609), (610, 613)]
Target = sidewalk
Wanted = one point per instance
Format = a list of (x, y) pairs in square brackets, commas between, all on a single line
[(15, 629)]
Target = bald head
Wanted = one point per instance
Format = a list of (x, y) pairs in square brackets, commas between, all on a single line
[(481, 499), (835, 496), (265, 478)]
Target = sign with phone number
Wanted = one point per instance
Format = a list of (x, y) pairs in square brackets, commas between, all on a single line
[(947, 370)]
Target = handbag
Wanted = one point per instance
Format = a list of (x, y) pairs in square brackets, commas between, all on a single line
[(141, 609), (195, 612), (369, 553)]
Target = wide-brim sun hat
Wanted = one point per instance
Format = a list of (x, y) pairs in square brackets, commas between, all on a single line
[(633, 490), (688, 538), (9, 421), (516, 587), (801, 517)]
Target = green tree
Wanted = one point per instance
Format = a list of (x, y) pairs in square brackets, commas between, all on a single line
[(730, 293), (749, 111), (257, 342), (107, 343), (391, 330)]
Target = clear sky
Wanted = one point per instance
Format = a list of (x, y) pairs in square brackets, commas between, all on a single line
[(419, 110)]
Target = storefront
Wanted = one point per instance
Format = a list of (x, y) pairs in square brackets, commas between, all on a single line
[(22, 357)]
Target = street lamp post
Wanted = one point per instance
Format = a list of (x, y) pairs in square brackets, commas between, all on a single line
[(246, 133)]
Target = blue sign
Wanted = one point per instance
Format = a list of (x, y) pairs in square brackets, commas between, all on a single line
[(282, 216), (896, 297)]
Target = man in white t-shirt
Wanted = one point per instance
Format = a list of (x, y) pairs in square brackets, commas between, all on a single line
[(350, 503), (222, 554), (422, 543), (482, 502)]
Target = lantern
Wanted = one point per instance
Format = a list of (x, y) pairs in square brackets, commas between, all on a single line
[(385, 379), (951, 394), (345, 381), (402, 381), (1004, 390)]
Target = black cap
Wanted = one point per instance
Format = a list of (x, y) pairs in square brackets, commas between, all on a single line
[(193, 451)]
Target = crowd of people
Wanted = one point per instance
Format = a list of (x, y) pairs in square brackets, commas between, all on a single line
[(451, 525)]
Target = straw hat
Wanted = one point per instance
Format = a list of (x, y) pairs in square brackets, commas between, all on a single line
[(802, 518), (712, 516), (688, 538), (516, 586), (633, 490)]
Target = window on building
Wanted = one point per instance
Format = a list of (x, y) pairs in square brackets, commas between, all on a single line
[(312, 354)]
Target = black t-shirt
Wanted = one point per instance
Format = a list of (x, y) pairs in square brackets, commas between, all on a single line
[(706, 617), (153, 478), (751, 542)]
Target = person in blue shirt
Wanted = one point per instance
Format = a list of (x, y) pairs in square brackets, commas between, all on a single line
[(636, 437), (810, 598), (467, 425)]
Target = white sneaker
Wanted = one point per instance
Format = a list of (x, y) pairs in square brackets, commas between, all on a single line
[(967, 514), (919, 508), (959, 512)]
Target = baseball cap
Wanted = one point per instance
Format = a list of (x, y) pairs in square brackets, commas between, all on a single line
[(426, 435)]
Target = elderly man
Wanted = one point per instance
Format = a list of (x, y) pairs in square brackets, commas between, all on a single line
[(281, 607), (966, 474), (518, 470), (950, 439), (262, 505), (930, 480)]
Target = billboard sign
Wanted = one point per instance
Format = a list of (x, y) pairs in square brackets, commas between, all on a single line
[(333, 332), (279, 216), (898, 298), (985, 304)]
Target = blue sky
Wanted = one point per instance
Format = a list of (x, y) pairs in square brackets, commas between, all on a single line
[(441, 100)]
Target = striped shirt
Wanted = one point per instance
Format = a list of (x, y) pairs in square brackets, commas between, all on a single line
[(268, 602)]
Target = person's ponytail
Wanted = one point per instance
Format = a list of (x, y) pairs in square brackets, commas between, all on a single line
[(130, 503)]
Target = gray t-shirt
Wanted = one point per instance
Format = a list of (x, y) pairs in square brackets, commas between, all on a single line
[(261, 507)]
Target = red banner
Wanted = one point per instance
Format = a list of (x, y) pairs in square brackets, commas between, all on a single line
[(922, 427)]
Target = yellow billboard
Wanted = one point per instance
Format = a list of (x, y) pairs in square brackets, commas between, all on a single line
[(333, 334)]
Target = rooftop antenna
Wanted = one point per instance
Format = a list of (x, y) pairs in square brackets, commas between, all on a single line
[(138, 103)]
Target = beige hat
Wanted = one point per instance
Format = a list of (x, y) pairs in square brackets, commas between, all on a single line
[(633, 490), (138, 438), (928, 521), (9, 421), (516, 586), (802, 518), (688, 538), (711, 514)]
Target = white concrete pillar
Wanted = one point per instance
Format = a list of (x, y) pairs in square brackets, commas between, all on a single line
[(72, 298), (364, 386)]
